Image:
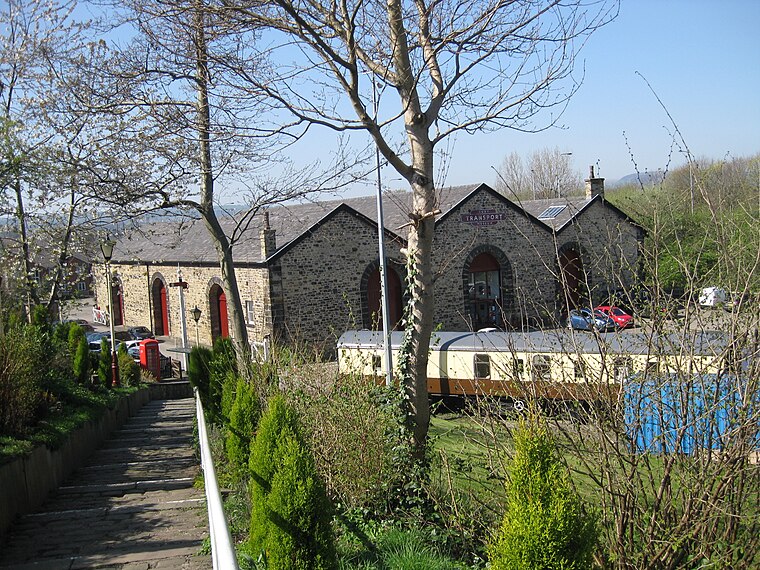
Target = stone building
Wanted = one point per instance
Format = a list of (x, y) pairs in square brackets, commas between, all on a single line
[(309, 272)]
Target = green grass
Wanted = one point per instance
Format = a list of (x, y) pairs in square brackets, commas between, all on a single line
[(392, 548), (468, 454)]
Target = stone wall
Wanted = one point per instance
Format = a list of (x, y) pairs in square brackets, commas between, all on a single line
[(321, 278), (136, 282), (485, 223), (609, 247), (313, 291)]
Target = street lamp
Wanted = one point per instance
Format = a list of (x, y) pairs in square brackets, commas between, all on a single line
[(107, 248), (559, 192), (196, 312)]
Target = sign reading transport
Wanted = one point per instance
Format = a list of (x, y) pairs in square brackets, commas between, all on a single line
[(480, 218)]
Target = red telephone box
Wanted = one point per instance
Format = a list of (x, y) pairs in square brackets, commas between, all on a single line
[(150, 357)]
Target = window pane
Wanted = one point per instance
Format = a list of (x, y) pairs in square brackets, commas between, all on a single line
[(482, 366)]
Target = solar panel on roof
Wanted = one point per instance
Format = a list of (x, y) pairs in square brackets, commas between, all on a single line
[(551, 212)]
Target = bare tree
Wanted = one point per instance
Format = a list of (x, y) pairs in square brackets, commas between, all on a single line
[(184, 108), (546, 173), (452, 67)]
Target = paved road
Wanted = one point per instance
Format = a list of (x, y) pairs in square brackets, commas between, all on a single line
[(133, 506)]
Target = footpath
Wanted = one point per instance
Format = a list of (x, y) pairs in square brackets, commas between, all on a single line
[(132, 507)]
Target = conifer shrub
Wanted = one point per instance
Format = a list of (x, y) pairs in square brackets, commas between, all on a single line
[(198, 372), (104, 363), (82, 363), (75, 336), (129, 370), (290, 512), (546, 526), (229, 393), (223, 361), (243, 418)]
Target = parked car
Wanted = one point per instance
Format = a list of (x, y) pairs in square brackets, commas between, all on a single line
[(122, 337), (622, 319), (585, 320), (140, 333), (83, 324)]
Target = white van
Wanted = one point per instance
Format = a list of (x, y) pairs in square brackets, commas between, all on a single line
[(712, 297)]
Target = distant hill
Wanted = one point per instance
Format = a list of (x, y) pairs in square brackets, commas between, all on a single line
[(646, 178)]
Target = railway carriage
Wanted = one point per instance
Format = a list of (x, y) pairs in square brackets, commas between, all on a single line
[(548, 366)]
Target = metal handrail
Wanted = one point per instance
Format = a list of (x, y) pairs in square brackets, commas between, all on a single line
[(222, 551)]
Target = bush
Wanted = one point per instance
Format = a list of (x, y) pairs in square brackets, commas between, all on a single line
[(198, 373), (546, 526), (129, 370), (104, 363), (20, 363), (356, 440), (243, 418), (223, 362), (82, 364), (290, 512), (229, 393), (75, 336)]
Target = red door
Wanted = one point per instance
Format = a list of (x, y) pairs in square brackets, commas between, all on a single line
[(160, 308), (164, 311), (224, 327)]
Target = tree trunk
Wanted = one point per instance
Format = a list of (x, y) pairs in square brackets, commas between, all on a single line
[(206, 207), (30, 283)]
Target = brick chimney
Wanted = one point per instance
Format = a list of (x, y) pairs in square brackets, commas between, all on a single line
[(268, 238), (594, 186)]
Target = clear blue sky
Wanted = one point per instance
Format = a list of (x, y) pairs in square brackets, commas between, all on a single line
[(702, 57)]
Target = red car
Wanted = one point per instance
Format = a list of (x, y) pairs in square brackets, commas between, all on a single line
[(622, 319)]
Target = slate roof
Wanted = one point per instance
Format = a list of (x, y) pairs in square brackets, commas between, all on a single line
[(186, 241)]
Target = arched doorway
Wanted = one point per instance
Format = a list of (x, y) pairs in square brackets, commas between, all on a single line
[(218, 312), (371, 284), (483, 293), (572, 278), (160, 308)]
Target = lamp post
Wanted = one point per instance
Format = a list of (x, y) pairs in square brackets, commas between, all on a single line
[(196, 312), (559, 192), (107, 248), (385, 302)]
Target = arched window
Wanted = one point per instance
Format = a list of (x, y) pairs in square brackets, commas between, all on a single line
[(218, 313), (372, 297), (160, 307), (488, 286), (484, 292)]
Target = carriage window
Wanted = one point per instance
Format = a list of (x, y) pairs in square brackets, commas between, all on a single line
[(518, 368), (621, 369), (580, 370), (482, 366), (542, 368), (377, 362)]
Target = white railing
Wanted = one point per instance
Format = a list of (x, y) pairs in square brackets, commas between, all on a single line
[(222, 551)]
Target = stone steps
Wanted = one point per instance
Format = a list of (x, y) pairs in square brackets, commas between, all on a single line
[(133, 505)]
